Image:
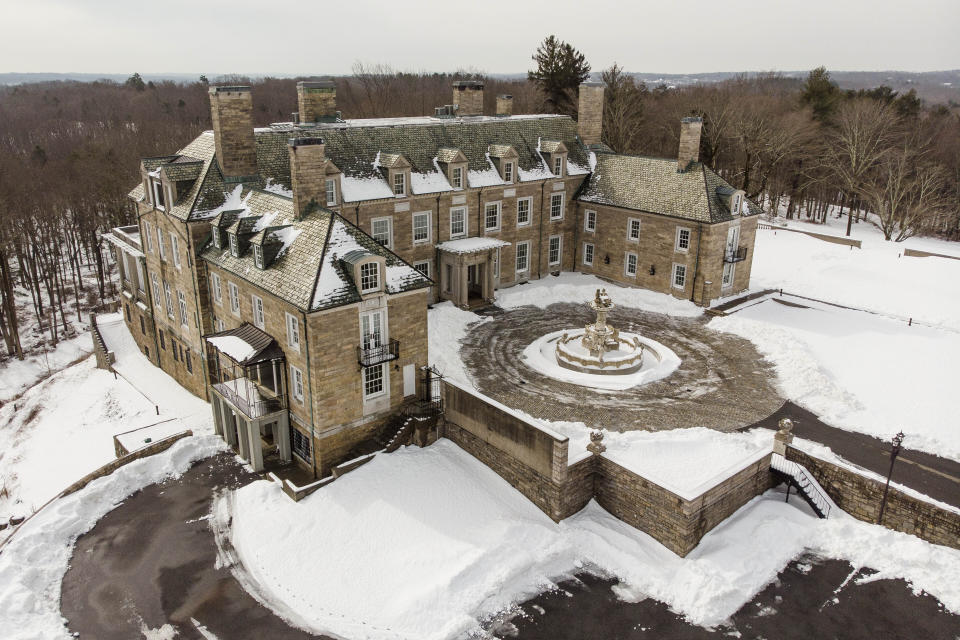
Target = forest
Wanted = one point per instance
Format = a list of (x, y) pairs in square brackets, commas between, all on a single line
[(69, 155)]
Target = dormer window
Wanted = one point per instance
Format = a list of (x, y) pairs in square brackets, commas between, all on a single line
[(234, 246), (400, 183), (735, 208), (158, 198), (508, 172), (258, 256), (456, 177), (558, 166), (217, 238), (331, 192), (369, 277)]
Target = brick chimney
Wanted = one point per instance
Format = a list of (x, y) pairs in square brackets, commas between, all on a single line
[(504, 105), (590, 112), (468, 97), (231, 109), (689, 151), (317, 101), (307, 176)]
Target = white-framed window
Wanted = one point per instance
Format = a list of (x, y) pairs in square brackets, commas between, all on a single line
[(633, 229), (373, 385), (400, 183), (148, 232), (679, 275), (587, 253), (421, 227), (523, 256), (683, 239), (218, 323), (182, 300), (234, 245), (558, 166), (331, 185), (554, 250), (589, 220), (158, 195), (157, 300), (458, 222), (296, 383), (556, 206), (258, 317), (508, 172), (729, 272), (168, 299), (630, 262), (175, 249), (735, 209), (215, 288), (258, 256), (491, 216), (163, 250), (373, 332), (369, 277), (524, 207), (456, 177), (234, 292), (423, 267), (141, 275), (217, 235), (382, 231), (293, 332)]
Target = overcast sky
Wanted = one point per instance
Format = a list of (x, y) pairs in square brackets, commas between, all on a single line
[(325, 37)]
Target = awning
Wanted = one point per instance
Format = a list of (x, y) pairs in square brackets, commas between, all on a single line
[(471, 245), (245, 345)]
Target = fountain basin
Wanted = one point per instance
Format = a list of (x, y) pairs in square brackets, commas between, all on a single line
[(624, 354)]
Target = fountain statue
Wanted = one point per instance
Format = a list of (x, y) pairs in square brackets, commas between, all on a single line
[(600, 348)]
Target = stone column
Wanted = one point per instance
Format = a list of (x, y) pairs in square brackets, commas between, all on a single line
[(217, 415), (243, 436), (256, 447), (463, 290), (282, 436), (229, 424)]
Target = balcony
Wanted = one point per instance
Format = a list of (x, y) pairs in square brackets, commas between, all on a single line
[(252, 399), (735, 255), (374, 355)]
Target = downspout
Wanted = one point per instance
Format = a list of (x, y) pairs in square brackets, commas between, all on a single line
[(543, 191), (696, 267), (196, 301), (436, 256), (313, 435), (576, 237), (357, 215)]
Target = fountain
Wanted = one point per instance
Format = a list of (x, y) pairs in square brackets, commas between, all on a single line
[(599, 355)]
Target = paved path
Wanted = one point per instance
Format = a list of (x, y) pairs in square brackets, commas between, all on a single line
[(811, 598), (937, 477), (722, 382), (151, 561)]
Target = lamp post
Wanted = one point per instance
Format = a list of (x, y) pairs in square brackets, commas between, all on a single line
[(894, 452)]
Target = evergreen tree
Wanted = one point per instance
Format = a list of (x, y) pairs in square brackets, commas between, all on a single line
[(821, 93), (136, 82), (560, 70)]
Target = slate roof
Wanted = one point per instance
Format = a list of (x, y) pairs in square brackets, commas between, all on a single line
[(307, 272), (654, 185)]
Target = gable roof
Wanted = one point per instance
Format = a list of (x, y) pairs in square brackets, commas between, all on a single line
[(654, 185)]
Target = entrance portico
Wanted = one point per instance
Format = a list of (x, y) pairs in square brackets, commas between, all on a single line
[(469, 270)]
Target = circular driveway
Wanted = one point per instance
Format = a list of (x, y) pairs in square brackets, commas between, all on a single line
[(722, 382)]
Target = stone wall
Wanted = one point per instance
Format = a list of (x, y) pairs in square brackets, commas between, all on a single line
[(860, 496), (231, 112), (590, 112), (916, 253)]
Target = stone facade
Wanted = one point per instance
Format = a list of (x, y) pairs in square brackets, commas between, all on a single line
[(860, 496)]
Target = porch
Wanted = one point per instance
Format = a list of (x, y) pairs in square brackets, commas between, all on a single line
[(470, 270)]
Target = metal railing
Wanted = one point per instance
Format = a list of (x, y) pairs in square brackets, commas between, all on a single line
[(735, 255), (804, 482), (374, 355), (250, 408)]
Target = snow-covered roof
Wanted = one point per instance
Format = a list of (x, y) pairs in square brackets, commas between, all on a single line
[(471, 245)]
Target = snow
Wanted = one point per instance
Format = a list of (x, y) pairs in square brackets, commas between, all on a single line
[(430, 182), (447, 326), (233, 200), (139, 438), (356, 189), (471, 245), (859, 371), (277, 188), (580, 288), (874, 278), (233, 347), (286, 236), (20, 375), (383, 562), (658, 363), (32, 566)]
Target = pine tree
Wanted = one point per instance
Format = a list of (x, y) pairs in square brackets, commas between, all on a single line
[(136, 82), (560, 70), (821, 93)]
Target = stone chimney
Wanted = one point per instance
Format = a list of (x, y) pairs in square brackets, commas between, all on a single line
[(307, 177), (316, 101), (590, 113), (231, 109), (468, 97), (504, 105), (689, 151)]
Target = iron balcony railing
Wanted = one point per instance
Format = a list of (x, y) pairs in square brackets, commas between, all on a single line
[(378, 353), (735, 255)]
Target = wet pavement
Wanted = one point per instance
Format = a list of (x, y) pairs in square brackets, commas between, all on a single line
[(811, 599), (722, 382)]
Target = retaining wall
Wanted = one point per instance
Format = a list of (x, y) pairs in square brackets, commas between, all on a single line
[(826, 237), (105, 358), (860, 496), (916, 253)]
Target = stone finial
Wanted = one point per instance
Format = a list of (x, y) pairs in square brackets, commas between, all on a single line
[(596, 446), (786, 425), (783, 437)]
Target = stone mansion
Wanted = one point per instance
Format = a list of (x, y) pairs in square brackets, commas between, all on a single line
[(284, 272)]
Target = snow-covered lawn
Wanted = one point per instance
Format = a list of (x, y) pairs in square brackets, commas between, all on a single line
[(423, 542), (860, 371), (19, 375), (873, 278)]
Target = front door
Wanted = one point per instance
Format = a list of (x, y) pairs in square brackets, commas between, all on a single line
[(475, 281)]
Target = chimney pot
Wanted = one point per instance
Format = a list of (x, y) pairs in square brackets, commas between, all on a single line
[(689, 149), (590, 113)]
